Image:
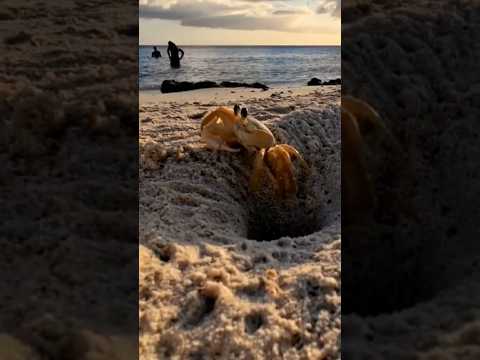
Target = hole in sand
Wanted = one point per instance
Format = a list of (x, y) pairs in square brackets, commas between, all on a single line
[(164, 252), (270, 218), (253, 322), (166, 349), (198, 308), (268, 221), (316, 204), (297, 341), (197, 355)]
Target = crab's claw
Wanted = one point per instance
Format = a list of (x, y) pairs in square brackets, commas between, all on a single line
[(217, 129)]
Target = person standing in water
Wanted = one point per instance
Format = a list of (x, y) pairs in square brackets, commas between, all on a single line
[(156, 54), (172, 52)]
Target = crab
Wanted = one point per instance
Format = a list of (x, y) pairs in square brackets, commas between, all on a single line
[(276, 165), (229, 130)]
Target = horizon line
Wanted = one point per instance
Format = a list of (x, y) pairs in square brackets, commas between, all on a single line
[(253, 45)]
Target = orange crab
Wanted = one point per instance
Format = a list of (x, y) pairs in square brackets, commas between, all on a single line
[(226, 129)]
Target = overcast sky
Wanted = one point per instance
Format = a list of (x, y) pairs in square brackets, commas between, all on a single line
[(240, 22)]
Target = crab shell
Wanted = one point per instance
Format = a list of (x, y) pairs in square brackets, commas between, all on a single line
[(223, 129), (253, 135)]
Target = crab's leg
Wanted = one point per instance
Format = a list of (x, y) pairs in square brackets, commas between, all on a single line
[(278, 159), (259, 171), (217, 143), (296, 155)]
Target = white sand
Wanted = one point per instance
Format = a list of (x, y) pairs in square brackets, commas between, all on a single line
[(206, 289), (220, 94)]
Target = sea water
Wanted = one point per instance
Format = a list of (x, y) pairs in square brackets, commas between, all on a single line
[(270, 65)]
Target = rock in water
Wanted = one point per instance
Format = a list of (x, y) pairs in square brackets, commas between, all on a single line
[(317, 82), (169, 86), (205, 85), (314, 82), (232, 84)]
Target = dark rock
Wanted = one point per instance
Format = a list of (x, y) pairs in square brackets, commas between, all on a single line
[(337, 81), (318, 82), (205, 84), (232, 84), (314, 82), (169, 86), (258, 86)]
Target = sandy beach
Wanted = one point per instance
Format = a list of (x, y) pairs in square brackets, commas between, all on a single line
[(209, 286)]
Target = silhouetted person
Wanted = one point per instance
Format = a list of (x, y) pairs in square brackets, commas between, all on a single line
[(155, 53), (172, 52)]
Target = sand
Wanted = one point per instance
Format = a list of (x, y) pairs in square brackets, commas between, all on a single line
[(68, 222), (429, 102), (210, 288)]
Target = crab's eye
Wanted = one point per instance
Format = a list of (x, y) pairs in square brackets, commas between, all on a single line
[(236, 109), (244, 112)]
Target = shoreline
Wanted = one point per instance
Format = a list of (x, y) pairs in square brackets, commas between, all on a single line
[(216, 95)]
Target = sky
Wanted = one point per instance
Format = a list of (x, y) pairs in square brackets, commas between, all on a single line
[(240, 22)]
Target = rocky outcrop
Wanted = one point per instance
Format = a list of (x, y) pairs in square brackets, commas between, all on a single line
[(231, 84), (317, 82), (169, 86)]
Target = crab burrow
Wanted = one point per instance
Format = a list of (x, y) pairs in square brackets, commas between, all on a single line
[(208, 195)]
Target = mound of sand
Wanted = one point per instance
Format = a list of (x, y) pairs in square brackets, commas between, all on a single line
[(225, 274)]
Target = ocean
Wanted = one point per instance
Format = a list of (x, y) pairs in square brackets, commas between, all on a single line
[(270, 65)]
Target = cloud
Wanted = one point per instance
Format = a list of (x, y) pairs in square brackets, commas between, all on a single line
[(275, 15), (332, 7), (243, 22), (184, 10), (290, 12)]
